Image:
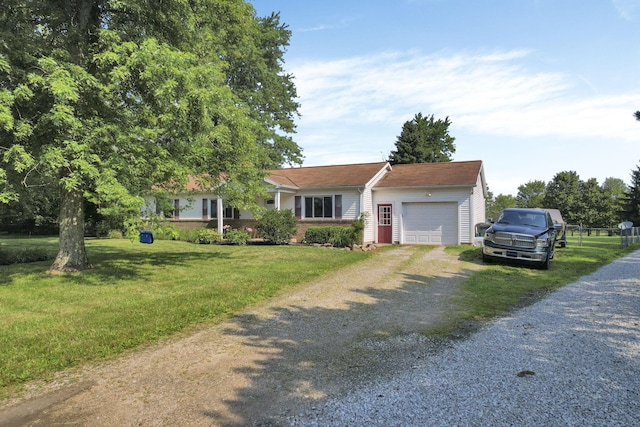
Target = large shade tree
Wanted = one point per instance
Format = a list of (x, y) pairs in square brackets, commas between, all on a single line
[(102, 99), (531, 194), (424, 140)]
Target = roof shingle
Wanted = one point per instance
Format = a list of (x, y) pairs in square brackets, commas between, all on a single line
[(326, 176), (432, 174)]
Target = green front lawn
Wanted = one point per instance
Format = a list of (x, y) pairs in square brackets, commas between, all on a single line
[(135, 295)]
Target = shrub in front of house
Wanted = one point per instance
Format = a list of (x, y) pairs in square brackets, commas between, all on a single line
[(277, 226), (320, 234), (340, 237), (236, 237), (207, 236), (346, 237)]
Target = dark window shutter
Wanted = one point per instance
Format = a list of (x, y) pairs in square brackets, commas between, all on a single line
[(205, 208), (338, 207), (298, 207), (236, 213), (176, 208)]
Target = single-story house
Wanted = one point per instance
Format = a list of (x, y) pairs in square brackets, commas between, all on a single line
[(425, 203)]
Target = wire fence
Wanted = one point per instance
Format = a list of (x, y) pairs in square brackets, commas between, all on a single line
[(628, 236)]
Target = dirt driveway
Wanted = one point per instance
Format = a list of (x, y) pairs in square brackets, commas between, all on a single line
[(274, 361)]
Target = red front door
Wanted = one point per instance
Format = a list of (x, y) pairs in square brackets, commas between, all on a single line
[(385, 231)]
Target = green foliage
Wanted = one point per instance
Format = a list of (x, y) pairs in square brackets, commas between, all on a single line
[(424, 140), (236, 237), (563, 193), (317, 234), (344, 237), (531, 195), (358, 226), (340, 237), (107, 102), (632, 208), (207, 236), (497, 204), (115, 234), (277, 226)]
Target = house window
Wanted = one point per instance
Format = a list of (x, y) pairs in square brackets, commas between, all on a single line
[(228, 211), (318, 207)]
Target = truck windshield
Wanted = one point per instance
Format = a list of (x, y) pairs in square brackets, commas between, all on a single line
[(530, 220)]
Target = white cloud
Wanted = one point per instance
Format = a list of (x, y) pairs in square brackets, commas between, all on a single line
[(493, 93)]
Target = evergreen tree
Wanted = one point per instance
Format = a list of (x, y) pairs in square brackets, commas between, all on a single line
[(563, 193), (632, 210), (424, 140), (614, 190)]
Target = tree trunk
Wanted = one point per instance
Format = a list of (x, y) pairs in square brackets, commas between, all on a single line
[(72, 255)]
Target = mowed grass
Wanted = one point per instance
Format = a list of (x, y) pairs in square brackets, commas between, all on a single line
[(499, 288), (135, 295)]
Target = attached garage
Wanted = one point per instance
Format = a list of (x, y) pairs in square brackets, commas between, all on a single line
[(430, 223)]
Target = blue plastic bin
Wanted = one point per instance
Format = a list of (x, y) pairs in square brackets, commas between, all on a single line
[(146, 236)]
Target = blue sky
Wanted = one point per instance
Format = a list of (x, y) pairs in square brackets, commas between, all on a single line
[(532, 87)]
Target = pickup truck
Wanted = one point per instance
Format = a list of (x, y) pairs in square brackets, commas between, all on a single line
[(525, 235)]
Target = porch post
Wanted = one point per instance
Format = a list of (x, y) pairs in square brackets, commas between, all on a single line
[(220, 215), (277, 201)]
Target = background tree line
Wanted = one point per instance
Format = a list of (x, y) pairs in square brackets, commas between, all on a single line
[(580, 202)]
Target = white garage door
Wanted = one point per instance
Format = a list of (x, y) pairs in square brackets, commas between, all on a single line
[(430, 223)]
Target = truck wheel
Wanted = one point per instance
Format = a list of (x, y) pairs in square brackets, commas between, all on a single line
[(545, 263)]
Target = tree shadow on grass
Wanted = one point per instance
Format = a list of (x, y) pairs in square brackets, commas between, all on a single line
[(304, 354), (111, 264)]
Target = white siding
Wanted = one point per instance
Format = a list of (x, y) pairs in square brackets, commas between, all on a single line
[(190, 208), (371, 220), (464, 216), (350, 205), (479, 203), (396, 197)]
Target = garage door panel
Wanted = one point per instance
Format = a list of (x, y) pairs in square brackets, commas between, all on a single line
[(430, 223)]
